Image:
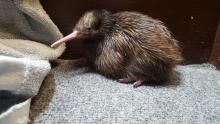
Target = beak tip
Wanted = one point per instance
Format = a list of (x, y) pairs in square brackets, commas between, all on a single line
[(53, 46), (64, 39)]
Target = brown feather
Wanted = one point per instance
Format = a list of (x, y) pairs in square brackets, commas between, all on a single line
[(130, 45)]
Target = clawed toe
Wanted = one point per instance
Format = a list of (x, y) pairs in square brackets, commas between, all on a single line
[(135, 84), (138, 83), (81, 62), (124, 80)]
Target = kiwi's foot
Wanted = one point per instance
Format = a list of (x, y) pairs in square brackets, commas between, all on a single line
[(125, 80), (81, 62), (136, 83)]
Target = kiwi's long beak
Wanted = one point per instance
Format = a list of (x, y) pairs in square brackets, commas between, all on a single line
[(65, 39)]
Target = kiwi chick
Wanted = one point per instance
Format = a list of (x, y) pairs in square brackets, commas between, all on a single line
[(128, 46)]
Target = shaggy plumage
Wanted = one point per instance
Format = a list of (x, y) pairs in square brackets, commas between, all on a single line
[(129, 46)]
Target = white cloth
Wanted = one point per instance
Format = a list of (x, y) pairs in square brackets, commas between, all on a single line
[(22, 75)]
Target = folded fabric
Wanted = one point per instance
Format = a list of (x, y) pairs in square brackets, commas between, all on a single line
[(26, 33), (21, 75)]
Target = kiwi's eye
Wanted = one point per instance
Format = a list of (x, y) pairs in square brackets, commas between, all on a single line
[(88, 29), (97, 25)]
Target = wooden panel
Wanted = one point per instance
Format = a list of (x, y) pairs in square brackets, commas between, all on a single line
[(193, 22), (215, 56)]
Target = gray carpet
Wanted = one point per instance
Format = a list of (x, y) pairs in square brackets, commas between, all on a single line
[(74, 96)]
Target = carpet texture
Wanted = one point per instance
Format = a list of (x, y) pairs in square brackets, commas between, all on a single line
[(71, 95)]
